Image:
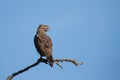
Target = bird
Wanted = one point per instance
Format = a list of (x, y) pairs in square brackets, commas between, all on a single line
[(43, 43)]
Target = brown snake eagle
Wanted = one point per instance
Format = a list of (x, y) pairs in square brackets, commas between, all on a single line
[(43, 43)]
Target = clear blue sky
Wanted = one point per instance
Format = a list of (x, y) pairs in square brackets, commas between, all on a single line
[(85, 30)]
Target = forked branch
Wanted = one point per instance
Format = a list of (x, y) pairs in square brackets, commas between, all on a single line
[(44, 61)]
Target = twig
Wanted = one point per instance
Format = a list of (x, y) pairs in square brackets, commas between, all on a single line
[(44, 61), (67, 60)]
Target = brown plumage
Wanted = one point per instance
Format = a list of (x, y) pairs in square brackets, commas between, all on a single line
[(43, 43)]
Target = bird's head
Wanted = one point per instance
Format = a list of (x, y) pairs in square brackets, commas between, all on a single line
[(45, 28)]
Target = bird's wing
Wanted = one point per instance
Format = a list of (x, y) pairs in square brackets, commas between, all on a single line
[(45, 44), (48, 42)]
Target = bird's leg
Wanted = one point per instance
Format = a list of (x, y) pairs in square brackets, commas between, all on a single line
[(41, 57), (43, 60)]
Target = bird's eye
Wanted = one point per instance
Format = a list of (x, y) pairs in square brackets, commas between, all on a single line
[(46, 27)]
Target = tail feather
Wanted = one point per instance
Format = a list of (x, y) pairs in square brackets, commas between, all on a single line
[(50, 60)]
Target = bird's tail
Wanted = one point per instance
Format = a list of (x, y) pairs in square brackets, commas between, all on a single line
[(50, 60)]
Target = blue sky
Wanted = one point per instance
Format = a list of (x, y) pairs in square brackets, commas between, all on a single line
[(85, 30)]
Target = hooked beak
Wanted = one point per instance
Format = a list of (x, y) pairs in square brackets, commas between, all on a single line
[(47, 29)]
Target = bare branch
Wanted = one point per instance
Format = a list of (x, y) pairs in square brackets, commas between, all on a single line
[(27, 68), (44, 61), (68, 60)]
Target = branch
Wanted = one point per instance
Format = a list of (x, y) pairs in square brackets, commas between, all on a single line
[(68, 60), (44, 61), (27, 68)]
